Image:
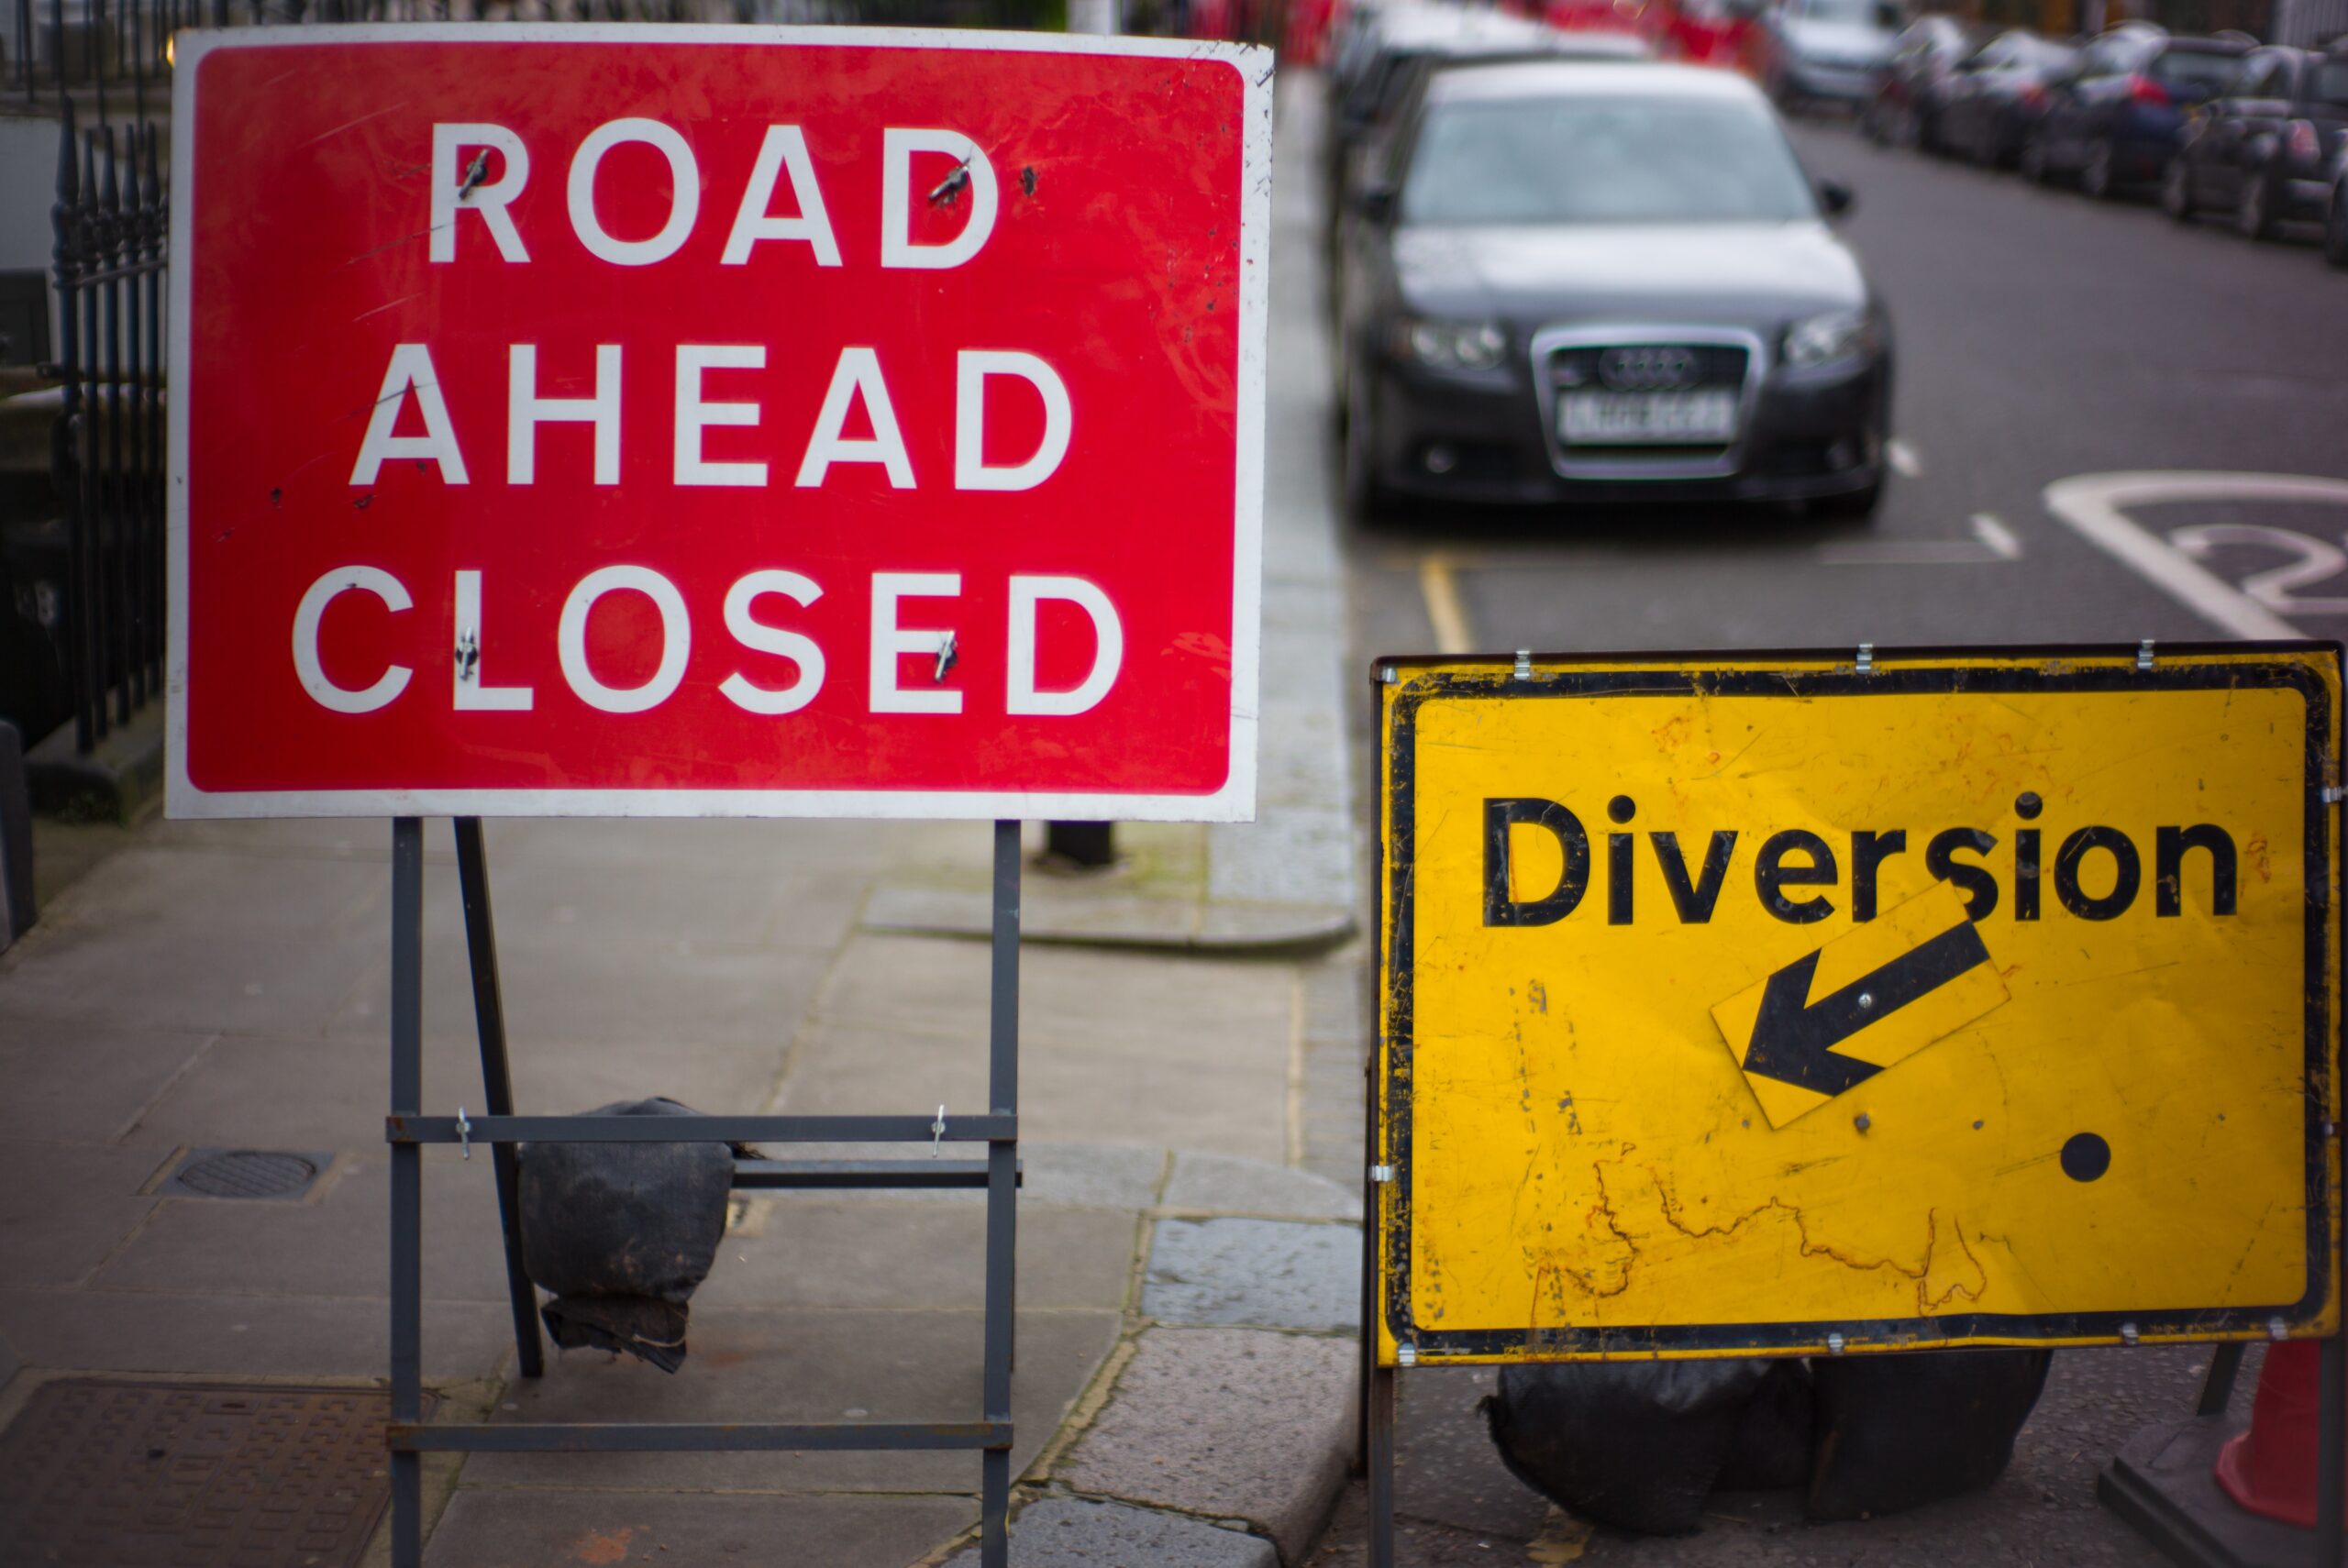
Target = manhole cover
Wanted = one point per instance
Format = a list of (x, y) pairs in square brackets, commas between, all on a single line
[(245, 1173), (193, 1475)]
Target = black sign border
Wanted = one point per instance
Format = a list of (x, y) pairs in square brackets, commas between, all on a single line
[(1832, 673)]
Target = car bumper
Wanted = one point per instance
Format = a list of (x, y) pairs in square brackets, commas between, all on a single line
[(1804, 435), (2303, 198)]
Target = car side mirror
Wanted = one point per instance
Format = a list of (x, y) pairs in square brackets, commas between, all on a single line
[(1377, 204), (1835, 198)]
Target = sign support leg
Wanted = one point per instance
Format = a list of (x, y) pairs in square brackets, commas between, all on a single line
[(407, 1185), (1380, 1394), (1003, 1167), (497, 1083)]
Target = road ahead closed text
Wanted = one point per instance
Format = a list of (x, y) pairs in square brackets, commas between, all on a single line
[(723, 424)]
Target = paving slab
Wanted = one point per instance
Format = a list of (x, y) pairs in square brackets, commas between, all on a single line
[(277, 1092), (1219, 1184), (1130, 1003), (335, 1243), (181, 974), (1070, 1532), (645, 995), (900, 1365), (1084, 1176), (288, 1091), (1225, 1094), (844, 1253), (1258, 1272), (65, 1207), (222, 888), (492, 1528), (245, 1336), (1226, 1423), (73, 1083)]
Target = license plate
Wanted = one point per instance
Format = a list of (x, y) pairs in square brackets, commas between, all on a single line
[(1609, 418)]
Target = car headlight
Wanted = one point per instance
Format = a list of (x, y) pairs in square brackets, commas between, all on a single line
[(1453, 345), (1830, 339)]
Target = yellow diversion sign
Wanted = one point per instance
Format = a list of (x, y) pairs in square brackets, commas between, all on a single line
[(1733, 1003)]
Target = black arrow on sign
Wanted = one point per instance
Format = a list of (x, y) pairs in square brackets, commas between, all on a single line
[(1794, 1038)]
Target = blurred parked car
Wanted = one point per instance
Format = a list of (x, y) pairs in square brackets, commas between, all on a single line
[(1584, 282), (1824, 50), (1904, 107), (2262, 151), (1406, 86), (2335, 211), (1398, 35), (1997, 98), (2113, 119)]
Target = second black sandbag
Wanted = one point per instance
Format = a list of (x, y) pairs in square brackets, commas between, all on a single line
[(1897, 1431), (1772, 1448), (1632, 1444)]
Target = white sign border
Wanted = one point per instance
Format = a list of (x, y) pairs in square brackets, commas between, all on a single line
[(1234, 803)]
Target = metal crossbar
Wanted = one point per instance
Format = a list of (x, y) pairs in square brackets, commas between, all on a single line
[(407, 1130)]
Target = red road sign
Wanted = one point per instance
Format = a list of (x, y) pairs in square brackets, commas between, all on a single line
[(697, 420)]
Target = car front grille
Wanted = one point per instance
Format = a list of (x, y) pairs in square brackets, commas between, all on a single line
[(1583, 367)]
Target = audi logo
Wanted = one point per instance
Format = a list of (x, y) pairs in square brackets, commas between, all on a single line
[(1647, 369)]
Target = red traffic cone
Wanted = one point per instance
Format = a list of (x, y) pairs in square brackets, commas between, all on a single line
[(2271, 1468)]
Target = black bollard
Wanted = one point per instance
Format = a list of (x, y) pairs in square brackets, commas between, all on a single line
[(1087, 845)]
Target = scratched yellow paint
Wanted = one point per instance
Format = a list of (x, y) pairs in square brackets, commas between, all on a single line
[(1584, 1169)]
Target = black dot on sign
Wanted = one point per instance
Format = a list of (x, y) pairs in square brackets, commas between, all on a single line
[(2086, 1157), (1622, 808), (2027, 805)]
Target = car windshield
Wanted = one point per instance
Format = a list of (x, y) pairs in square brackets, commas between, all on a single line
[(2193, 68), (1603, 160), (2328, 83)]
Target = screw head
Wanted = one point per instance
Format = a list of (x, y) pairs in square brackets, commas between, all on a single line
[(1862, 1122), (1866, 998), (1835, 1344)]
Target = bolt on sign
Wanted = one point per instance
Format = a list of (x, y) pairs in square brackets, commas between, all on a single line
[(715, 421), (1976, 997)]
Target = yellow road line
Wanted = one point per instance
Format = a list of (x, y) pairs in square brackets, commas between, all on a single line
[(1439, 585)]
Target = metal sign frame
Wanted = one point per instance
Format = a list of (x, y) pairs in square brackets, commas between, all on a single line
[(1401, 684), (407, 1130)]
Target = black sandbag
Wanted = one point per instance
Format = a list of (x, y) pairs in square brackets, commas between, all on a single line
[(1632, 1444), (623, 1234), (1897, 1431), (1771, 1450)]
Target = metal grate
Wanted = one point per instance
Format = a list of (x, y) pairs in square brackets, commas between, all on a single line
[(245, 1173), (131, 1474)]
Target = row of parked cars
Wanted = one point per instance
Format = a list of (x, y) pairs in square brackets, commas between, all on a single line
[(2219, 126), (1565, 271)]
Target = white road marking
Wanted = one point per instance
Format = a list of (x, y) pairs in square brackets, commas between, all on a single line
[(1903, 459), (2308, 561), (1993, 541), (1439, 585), (1991, 531), (2095, 505)]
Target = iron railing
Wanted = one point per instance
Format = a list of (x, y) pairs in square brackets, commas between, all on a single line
[(107, 458)]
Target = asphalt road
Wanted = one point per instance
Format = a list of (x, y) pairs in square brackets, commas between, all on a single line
[(2040, 336), (2042, 339)]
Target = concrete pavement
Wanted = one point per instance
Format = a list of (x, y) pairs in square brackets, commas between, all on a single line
[(1191, 1065)]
